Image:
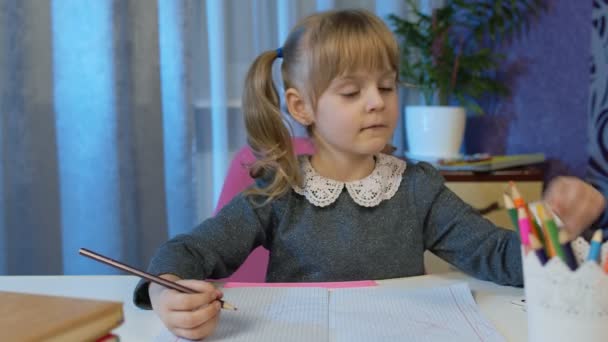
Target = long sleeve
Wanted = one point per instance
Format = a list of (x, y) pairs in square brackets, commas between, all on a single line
[(214, 249), (455, 232)]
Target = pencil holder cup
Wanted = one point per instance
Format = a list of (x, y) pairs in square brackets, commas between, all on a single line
[(565, 305)]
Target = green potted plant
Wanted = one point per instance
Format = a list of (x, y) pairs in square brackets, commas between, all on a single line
[(451, 57)]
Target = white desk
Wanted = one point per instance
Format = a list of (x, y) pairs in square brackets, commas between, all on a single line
[(493, 300)]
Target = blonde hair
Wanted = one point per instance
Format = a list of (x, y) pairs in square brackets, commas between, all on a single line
[(320, 48)]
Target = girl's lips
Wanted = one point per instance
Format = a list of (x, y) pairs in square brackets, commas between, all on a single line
[(373, 127)]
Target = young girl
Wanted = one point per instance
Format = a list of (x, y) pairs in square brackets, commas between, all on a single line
[(348, 212)]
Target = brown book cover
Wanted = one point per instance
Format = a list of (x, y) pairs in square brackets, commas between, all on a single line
[(33, 317)]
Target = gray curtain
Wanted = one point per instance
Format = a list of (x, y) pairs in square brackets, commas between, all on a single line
[(118, 119), (95, 132)]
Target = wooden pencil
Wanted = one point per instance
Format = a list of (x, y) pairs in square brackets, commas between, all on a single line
[(551, 230), (158, 280), (524, 226), (519, 202), (511, 210), (538, 249), (595, 249), (569, 259)]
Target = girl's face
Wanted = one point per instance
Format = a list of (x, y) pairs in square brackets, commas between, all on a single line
[(357, 113)]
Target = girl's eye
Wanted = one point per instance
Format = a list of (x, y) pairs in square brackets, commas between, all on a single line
[(386, 89), (351, 94)]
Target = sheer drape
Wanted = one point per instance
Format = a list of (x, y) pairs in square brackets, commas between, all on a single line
[(118, 119), (82, 140)]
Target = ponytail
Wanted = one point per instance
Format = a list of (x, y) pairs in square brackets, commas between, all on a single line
[(267, 133)]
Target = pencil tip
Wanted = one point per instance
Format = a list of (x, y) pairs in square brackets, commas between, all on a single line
[(515, 192), (534, 242), (521, 213), (229, 306), (598, 236), (508, 201), (540, 211), (563, 236)]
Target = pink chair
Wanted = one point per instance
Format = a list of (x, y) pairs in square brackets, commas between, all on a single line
[(238, 179)]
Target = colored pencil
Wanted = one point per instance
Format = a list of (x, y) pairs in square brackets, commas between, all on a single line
[(595, 249), (538, 249), (524, 226), (511, 210), (569, 259), (519, 202), (551, 230)]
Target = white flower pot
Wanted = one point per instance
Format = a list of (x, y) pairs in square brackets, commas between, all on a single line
[(434, 131)]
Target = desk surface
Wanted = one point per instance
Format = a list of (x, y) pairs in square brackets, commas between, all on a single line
[(494, 301)]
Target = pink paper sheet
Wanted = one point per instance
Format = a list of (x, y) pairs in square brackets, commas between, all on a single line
[(328, 285)]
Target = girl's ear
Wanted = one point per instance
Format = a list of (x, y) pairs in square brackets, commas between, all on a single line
[(298, 107)]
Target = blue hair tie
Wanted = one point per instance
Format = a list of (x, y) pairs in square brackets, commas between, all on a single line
[(280, 53)]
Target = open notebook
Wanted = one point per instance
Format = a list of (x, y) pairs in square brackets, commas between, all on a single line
[(358, 314)]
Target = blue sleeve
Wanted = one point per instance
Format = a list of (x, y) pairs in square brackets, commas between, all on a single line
[(213, 249), (457, 233)]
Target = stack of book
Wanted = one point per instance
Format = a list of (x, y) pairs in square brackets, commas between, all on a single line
[(33, 317), (486, 163)]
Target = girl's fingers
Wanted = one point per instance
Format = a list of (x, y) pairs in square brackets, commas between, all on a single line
[(201, 286), (586, 212), (201, 331), (559, 194), (177, 301), (197, 285), (576, 203), (195, 318)]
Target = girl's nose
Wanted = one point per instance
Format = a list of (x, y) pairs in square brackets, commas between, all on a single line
[(375, 101)]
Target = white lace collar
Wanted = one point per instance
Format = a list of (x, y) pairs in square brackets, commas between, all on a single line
[(380, 185)]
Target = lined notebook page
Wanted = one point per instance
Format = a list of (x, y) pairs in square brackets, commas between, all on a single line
[(270, 314), (391, 314), (359, 314)]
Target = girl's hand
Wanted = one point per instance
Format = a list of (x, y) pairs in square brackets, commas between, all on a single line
[(192, 316), (577, 203)]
